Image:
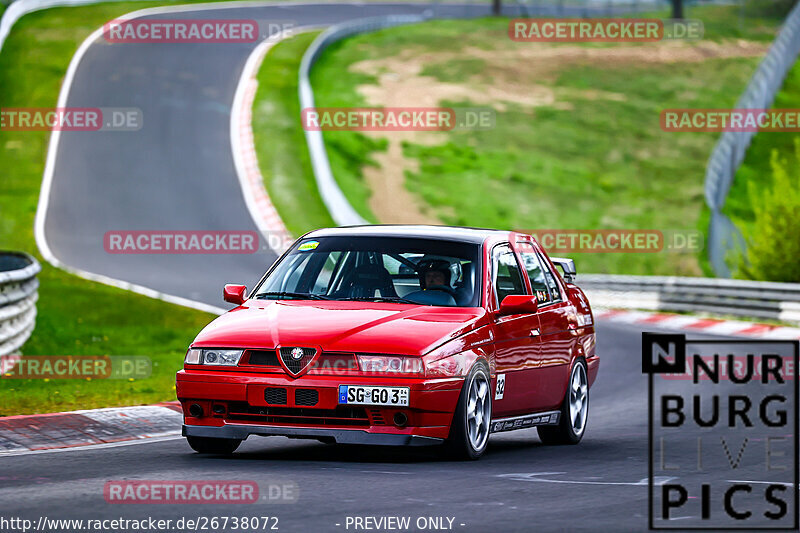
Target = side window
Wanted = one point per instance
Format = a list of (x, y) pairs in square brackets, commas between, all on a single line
[(507, 275), (535, 273), (555, 292)]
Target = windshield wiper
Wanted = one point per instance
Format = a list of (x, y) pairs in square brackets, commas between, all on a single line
[(298, 295), (398, 299)]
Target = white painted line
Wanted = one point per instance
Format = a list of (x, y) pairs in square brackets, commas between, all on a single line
[(535, 476), (762, 482)]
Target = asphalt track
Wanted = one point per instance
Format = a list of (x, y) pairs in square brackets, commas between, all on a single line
[(177, 173), (519, 485)]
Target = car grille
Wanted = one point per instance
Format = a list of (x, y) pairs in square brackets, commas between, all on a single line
[(275, 395), (307, 397), (263, 358), (295, 366), (377, 417), (327, 362), (341, 416)]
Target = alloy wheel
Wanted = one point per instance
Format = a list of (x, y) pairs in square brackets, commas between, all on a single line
[(478, 411), (578, 399)]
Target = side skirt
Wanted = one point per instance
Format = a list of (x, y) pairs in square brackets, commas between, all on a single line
[(549, 418)]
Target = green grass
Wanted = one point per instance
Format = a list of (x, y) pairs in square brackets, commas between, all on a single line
[(602, 163), (75, 316), (280, 140), (757, 20), (755, 173)]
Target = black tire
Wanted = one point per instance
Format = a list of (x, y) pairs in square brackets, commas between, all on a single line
[(213, 446), (567, 431), (460, 444)]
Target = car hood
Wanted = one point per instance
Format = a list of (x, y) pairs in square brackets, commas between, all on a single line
[(369, 327)]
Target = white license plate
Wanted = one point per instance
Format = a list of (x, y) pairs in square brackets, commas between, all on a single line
[(361, 395)]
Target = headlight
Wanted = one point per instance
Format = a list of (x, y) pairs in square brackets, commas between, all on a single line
[(213, 357), (390, 364), (450, 366), (193, 357)]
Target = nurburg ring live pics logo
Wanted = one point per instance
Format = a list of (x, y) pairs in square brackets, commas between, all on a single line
[(723, 433)]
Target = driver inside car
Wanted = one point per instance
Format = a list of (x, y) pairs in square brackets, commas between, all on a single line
[(437, 279), (434, 278), (437, 274)]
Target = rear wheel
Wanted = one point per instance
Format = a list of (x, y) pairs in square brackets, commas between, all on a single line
[(469, 432), (574, 410), (213, 446)]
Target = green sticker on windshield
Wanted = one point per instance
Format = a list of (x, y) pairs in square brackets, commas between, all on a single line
[(310, 245)]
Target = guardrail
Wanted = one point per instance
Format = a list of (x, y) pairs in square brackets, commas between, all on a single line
[(338, 206), (775, 301), (18, 295), (730, 150), (341, 211), (753, 299)]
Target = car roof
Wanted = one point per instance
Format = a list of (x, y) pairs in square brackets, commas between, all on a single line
[(454, 233)]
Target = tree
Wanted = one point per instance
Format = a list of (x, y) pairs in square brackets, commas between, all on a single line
[(677, 9), (773, 246)]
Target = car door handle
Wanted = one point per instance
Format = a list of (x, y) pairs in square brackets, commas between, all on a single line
[(535, 332)]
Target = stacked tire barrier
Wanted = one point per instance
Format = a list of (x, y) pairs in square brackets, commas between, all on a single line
[(752, 299), (18, 295)]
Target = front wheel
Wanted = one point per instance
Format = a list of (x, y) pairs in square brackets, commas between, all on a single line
[(469, 432), (213, 446), (574, 410)]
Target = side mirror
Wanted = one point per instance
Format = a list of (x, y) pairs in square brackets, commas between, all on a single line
[(567, 267), (515, 304), (234, 294)]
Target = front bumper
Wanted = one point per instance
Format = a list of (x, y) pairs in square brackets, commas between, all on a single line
[(341, 436), (236, 405)]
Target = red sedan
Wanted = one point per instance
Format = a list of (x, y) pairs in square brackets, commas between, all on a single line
[(398, 335)]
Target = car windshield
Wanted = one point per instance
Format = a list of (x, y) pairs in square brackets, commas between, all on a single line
[(384, 269)]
